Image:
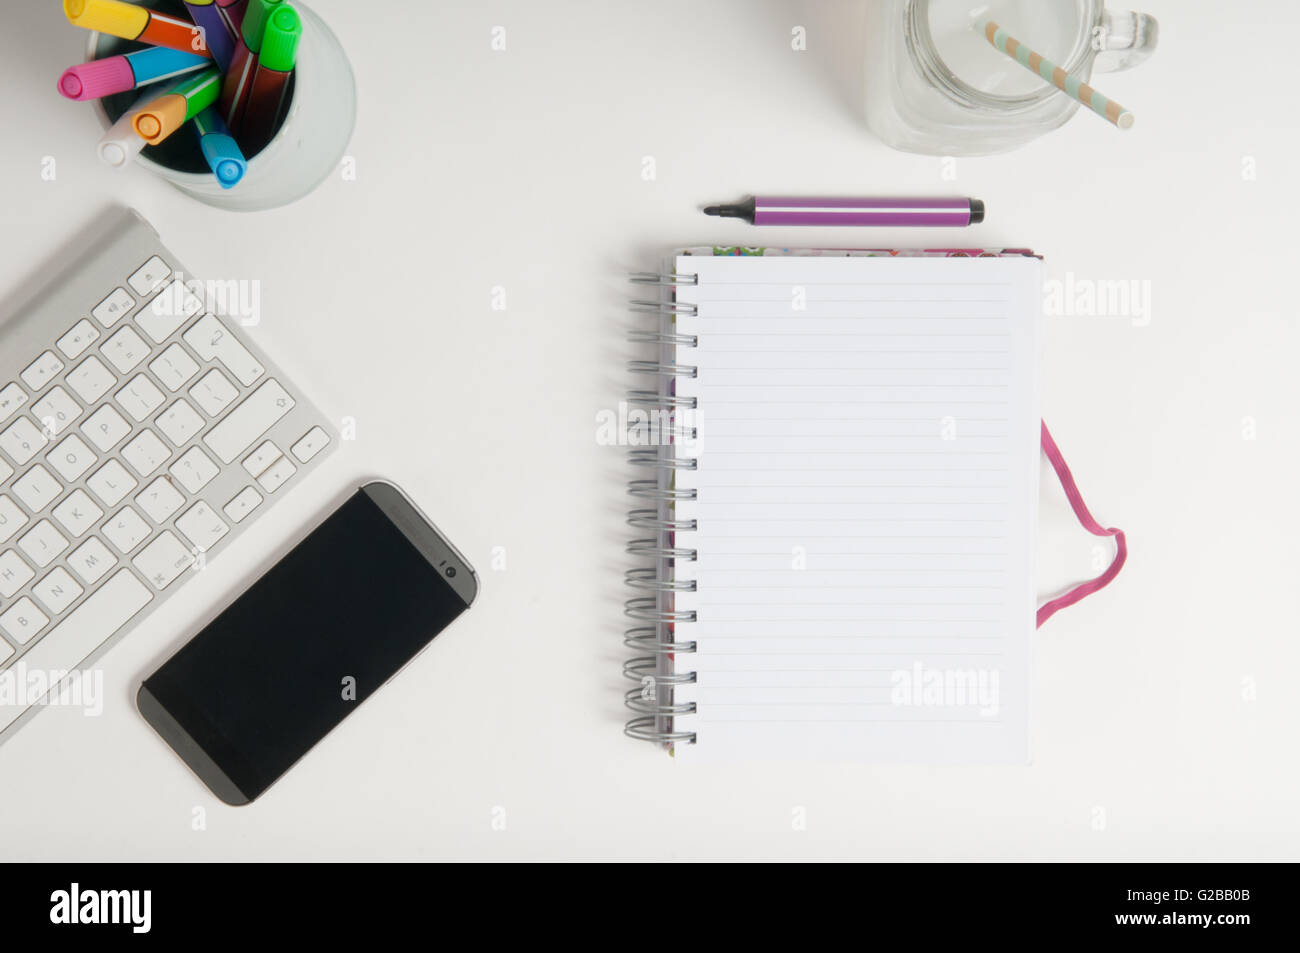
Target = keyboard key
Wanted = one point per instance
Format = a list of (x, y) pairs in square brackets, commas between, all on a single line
[(194, 470), (75, 342), (92, 560), (125, 350), (180, 423), (212, 342), (149, 276), (111, 483), (37, 489), (83, 630), (55, 411), (12, 519), (78, 513), (254, 417), (113, 308), (214, 393), (105, 428), (245, 501), (6, 650), (277, 475), (23, 620), (146, 453), (160, 500), (174, 305), (22, 441), (11, 398), (42, 370), (174, 367), (163, 560), (91, 380), (43, 543), (257, 462), (14, 573), (57, 591), (201, 526), (139, 398), (126, 530), (71, 458), (313, 443), (6, 471)]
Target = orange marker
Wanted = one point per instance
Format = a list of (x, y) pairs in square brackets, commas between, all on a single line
[(136, 23), (160, 118)]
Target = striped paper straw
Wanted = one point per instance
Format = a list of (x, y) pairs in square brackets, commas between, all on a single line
[(1072, 86)]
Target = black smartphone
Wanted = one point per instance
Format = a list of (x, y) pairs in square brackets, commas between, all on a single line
[(307, 643)]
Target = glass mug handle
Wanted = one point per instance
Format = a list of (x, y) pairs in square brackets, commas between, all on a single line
[(1123, 40)]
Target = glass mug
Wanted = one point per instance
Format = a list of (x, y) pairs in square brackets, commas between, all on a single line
[(935, 85)]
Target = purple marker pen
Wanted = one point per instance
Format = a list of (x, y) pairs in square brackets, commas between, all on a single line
[(787, 210)]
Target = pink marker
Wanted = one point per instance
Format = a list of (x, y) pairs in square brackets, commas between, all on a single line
[(117, 74)]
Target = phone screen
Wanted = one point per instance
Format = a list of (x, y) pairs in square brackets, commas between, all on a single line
[(307, 643)]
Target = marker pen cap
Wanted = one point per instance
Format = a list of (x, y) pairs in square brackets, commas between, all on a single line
[(228, 166), (93, 80), (107, 16), (161, 118), (280, 41)]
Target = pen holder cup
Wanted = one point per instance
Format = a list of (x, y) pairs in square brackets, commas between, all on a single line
[(305, 150)]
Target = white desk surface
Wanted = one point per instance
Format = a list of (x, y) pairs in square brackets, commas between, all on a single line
[(1166, 708)]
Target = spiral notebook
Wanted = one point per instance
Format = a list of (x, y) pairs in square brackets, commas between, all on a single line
[(837, 501)]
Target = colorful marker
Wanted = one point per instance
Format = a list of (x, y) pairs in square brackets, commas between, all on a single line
[(164, 115), (217, 30), (117, 74), (220, 148), (239, 78), (233, 11), (136, 23), (122, 143), (269, 98), (784, 210)]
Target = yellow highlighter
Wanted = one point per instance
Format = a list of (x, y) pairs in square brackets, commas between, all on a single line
[(164, 115)]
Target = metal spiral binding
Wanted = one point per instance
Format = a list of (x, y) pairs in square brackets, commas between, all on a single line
[(656, 668)]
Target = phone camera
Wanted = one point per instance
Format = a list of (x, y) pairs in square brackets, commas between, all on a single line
[(451, 572)]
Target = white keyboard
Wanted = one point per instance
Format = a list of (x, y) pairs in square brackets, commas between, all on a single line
[(139, 432)]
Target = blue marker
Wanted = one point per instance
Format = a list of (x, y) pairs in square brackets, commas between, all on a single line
[(220, 149)]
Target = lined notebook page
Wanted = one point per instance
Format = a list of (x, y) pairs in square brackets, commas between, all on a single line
[(868, 445)]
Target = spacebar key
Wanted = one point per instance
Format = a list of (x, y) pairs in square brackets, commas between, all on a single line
[(248, 421), (66, 646)]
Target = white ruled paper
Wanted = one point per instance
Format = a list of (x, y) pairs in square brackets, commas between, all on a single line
[(867, 483)]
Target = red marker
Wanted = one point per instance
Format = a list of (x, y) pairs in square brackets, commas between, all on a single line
[(238, 84), (269, 99)]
